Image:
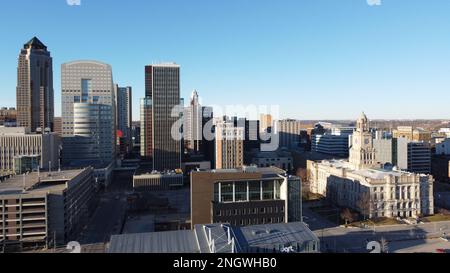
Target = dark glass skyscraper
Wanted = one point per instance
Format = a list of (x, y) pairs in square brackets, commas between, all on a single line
[(162, 90), (35, 106)]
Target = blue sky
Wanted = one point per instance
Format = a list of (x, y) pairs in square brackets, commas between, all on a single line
[(317, 59)]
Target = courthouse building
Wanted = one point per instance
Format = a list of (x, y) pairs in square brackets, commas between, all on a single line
[(361, 183)]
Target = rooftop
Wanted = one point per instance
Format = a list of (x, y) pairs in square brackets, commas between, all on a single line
[(35, 43), (373, 173), (36, 182)]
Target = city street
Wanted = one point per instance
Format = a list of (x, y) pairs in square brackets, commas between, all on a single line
[(109, 215), (400, 238)]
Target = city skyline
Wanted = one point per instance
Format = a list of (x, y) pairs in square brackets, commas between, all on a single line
[(320, 62)]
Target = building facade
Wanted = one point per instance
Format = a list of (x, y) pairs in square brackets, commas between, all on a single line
[(162, 91), (18, 142), (363, 185), (413, 156), (247, 196), (35, 105), (124, 116), (44, 208), (412, 134), (229, 146), (88, 114), (289, 133)]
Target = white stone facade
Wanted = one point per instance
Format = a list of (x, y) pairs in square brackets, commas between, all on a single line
[(364, 186)]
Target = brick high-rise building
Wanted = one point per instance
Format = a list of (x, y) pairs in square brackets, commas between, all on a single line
[(35, 106)]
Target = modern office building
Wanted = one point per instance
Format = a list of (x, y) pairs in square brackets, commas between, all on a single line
[(124, 117), (88, 114), (162, 99), (246, 196), (364, 185), (229, 146), (43, 208), (333, 141), (221, 238), (35, 106), (289, 133), (279, 159), (414, 156), (16, 142)]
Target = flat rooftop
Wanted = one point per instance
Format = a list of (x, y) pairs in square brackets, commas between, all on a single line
[(272, 234), (373, 173), (36, 182)]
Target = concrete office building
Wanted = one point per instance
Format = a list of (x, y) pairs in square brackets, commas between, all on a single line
[(229, 146), (363, 185), (414, 156), (35, 106), (157, 181), (221, 238), (385, 150), (88, 115), (162, 96), (124, 117), (289, 133), (247, 196), (41, 208), (279, 159), (16, 142)]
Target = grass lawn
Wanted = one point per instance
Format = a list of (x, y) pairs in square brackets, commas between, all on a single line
[(378, 222), (436, 218)]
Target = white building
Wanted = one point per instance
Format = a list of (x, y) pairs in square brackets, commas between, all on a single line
[(88, 114), (362, 184), (18, 142)]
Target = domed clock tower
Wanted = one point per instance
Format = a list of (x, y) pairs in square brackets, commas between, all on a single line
[(362, 153)]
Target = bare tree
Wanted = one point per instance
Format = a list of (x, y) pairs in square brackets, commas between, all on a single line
[(364, 205), (347, 216)]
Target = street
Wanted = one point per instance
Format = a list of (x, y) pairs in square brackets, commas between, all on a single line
[(400, 238)]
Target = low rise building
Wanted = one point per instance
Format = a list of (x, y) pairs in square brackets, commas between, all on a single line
[(279, 159), (221, 238), (246, 196), (443, 148), (157, 181), (18, 141), (44, 208)]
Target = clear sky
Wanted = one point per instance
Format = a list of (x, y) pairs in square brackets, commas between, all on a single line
[(317, 59)]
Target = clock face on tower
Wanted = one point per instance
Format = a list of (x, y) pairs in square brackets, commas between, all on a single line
[(367, 141)]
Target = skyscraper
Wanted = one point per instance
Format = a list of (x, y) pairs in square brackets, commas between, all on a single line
[(124, 114), (193, 124), (162, 91), (88, 114), (35, 107)]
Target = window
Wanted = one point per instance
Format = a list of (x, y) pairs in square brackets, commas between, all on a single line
[(226, 192), (254, 190), (268, 190), (241, 191)]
